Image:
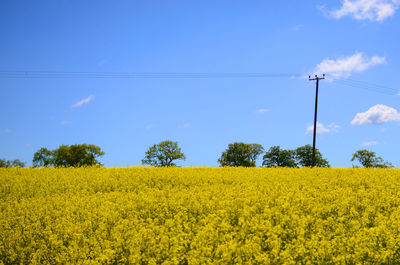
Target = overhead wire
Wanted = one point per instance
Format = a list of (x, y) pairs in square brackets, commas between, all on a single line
[(60, 74), (182, 75), (368, 86)]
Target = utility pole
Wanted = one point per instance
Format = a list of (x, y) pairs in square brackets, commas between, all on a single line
[(316, 78)]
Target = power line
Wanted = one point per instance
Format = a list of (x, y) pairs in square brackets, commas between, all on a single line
[(12, 74), (368, 86), (75, 74)]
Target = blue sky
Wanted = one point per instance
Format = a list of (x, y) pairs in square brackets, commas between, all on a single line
[(354, 42)]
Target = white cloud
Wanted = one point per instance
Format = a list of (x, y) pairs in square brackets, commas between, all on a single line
[(377, 114), (320, 129), (344, 66), (262, 110), (83, 101), (373, 10), (371, 143), (332, 127)]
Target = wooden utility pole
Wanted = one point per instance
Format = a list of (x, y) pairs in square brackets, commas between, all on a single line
[(316, 78)]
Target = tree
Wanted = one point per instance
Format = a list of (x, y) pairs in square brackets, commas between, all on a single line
[(11, 163), (43, 158), (17, 163), (163, 154), (62, 156), (241, 154), (369, 159), (68, 156), (277, 157), (77, 155), (303, 156)]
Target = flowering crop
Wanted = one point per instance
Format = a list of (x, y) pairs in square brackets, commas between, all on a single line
[(144, 215)]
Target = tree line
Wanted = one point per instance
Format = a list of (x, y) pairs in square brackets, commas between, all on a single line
[(11, 163), (167, 153)]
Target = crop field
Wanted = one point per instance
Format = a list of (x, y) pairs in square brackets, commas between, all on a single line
[(143, 215)]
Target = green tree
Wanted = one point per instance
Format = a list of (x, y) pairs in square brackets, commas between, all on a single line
[(77, 155), (303, 156), (62, 156), (369, 159), (277, 157), (68, 156), (17, 163), (163, 154), (11, 163), (241, 154), (43, 158)]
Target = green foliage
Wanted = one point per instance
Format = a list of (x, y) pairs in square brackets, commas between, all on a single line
[(11, 163), (43, 158), (303, 156), (277, 157), (241, 154), (68, 156), (369, 159), (163, 154)]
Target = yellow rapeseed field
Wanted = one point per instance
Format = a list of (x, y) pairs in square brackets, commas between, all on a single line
[(196, 215)]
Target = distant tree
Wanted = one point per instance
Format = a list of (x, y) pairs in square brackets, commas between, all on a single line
[(3, 163), (369, 159), (163, 154), (77, 155), (11, 163), (68, 156), (62, 156), (303, 156), (241, 154), (277, 157), (43, 158), (17, 163)]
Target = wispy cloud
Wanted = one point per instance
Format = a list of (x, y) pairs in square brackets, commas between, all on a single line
[(6, 130), (297, 27), (83, 101), (101, 63), (344, 66), (262, 111), (373, 10), (377, 114), (332, 127), (371, 143), (63, 123)]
